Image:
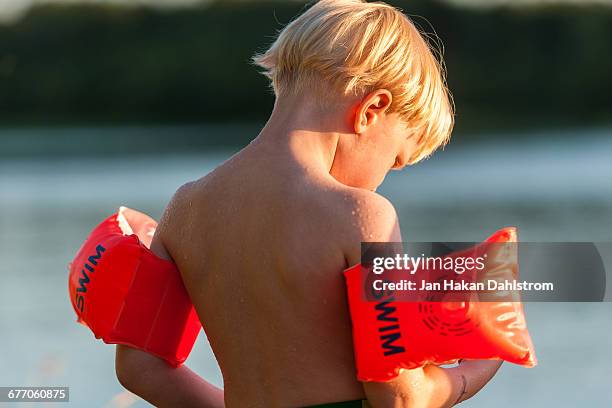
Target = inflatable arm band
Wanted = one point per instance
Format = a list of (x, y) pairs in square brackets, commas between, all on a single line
[(391, 335), (127, 295)]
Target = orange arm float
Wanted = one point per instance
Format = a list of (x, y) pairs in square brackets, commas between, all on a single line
[(391, 335), (127, 295)]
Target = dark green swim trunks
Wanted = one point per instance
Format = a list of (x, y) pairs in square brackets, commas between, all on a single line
[(347, 404)]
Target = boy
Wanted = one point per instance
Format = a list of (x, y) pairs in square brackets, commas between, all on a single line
[(261, 242)]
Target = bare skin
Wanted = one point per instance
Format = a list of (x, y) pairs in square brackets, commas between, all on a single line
[(261, 244)]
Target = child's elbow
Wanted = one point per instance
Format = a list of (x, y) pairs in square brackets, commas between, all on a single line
[(128, 368)]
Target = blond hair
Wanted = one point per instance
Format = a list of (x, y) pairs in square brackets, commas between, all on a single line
[(354, 47)]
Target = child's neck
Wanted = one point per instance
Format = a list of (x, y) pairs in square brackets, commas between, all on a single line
[(303, 132)]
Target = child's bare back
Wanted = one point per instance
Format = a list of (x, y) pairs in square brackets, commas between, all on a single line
[(261, 244)]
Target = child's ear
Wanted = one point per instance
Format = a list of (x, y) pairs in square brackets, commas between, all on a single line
[(371, 108)]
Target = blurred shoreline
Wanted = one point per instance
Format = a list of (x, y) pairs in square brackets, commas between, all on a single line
[(516, 68), (62, 142)]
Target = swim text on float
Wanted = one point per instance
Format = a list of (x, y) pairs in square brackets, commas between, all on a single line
[(88, 268)]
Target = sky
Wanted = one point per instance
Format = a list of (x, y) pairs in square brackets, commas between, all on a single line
[(13, 9)]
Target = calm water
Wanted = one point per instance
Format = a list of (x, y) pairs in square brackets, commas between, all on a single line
[(553, 191)]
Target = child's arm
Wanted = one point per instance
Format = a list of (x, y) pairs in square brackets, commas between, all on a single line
[(430, 386), (150, 377), (154, 380)]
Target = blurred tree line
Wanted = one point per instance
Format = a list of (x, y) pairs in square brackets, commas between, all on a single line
[(530, 67)]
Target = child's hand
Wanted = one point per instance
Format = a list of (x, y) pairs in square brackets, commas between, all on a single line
[(433, 386)]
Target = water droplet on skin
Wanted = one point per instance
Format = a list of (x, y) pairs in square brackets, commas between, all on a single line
[(353, 212), (371, 236)]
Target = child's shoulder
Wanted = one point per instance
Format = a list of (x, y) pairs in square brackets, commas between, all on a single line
[(363, 216), (373, 216), (177, 209)]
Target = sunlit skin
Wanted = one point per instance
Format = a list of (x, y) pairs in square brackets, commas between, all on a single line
[(261, 243)]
